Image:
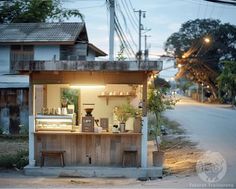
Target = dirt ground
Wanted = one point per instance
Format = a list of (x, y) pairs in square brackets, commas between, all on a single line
[(181, 156)]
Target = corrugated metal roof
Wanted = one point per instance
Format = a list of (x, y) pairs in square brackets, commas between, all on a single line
[(14, 81), (40, 32)]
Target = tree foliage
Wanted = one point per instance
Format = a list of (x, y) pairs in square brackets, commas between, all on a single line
[(124, 112), (200, 62), (26, 11), (120, 54), (227, 81), (157, 104)]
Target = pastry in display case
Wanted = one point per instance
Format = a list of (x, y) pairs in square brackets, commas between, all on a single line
[(55, 122)]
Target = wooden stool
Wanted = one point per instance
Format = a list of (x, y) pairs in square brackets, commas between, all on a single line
[(53, 153), (128, 152)]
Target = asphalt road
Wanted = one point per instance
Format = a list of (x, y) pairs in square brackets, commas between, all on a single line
[(213, 127)]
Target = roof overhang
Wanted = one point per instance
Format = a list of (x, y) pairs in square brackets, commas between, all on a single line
[(98, 52), (37, 43), (90, 66), (88, 77)]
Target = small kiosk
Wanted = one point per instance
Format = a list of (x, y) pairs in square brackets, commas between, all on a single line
[(85, 131)]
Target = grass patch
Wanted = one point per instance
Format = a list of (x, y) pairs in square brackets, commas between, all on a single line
[(166, 144), (172, 126), (15, 138)]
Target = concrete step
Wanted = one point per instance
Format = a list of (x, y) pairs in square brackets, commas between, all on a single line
[(100, 172)]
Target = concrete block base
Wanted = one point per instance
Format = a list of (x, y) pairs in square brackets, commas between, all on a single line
[(100, 172)]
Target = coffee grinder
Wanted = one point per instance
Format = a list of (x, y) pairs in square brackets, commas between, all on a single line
[(88, 119)]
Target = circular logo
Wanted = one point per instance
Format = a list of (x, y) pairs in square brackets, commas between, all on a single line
[(211, 167)]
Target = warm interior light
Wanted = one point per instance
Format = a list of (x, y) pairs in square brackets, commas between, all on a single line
[(183, 56), (87, 86), (207, 40), (179, 65)]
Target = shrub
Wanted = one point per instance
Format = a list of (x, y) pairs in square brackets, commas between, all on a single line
[(18, 160)]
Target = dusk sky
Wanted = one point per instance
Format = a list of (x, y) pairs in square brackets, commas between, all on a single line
[(163, 17)]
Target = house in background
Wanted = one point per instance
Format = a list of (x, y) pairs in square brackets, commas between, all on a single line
[(35, 42)]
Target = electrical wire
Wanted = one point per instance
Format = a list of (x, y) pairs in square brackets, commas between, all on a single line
[(122, 34), (127, 28), (126, 8), (132, 7), (128, 53)]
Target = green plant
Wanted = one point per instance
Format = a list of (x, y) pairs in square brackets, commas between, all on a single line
[(157, 103), (124, 112), (227, 81), (120, 55), (35, 11), (18, 160), (24, 130)]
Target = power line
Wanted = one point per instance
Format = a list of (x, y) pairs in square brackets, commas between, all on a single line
[(130, 16), (135, 16), (123, 36), (127, 28), (229, 2), (128, 53)]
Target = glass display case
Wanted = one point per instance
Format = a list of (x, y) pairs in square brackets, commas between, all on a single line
[(54, 122)]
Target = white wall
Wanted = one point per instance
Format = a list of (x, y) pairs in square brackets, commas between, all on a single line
[(102, 109), (46, 52), (53, 96), (4, 59)]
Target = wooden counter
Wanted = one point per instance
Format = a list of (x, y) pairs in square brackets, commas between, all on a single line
[(81, 133), (86, 148)]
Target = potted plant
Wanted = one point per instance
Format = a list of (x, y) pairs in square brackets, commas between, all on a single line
[(123, 113), (156, 105)]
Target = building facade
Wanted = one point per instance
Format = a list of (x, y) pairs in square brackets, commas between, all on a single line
[(25, 42)]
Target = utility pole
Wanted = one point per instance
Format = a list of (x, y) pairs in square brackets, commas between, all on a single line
[(145, 47), (112, 29), (140, 12)]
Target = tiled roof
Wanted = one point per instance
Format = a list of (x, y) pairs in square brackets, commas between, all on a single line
[(40, 32)]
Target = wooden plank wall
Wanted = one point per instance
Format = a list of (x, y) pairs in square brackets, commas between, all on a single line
[(104, 150)]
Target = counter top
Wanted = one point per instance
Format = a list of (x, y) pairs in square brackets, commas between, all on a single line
[(83, 133)]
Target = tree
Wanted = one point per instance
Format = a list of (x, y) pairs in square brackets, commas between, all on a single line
[(157, 104), (26, 11), (120, 54), (227, 81), (200, 60)]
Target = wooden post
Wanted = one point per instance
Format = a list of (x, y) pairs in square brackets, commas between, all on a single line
[(31, 122), (144, 152)]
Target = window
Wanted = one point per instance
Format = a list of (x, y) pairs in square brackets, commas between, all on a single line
[(21, 53)]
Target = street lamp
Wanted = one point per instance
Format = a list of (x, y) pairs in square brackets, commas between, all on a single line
[(207, 40), (179, 65)]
